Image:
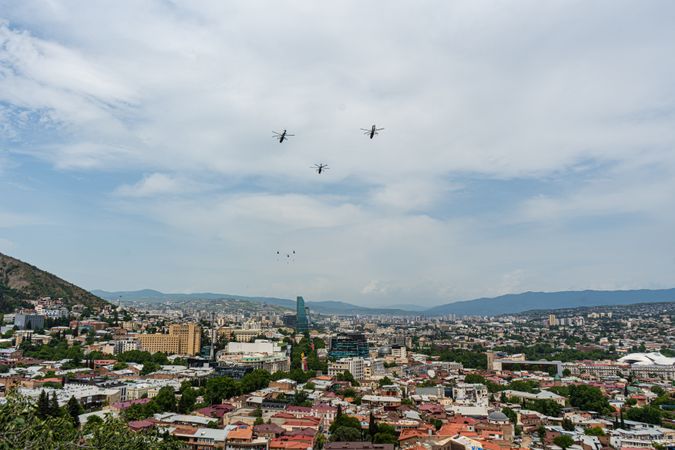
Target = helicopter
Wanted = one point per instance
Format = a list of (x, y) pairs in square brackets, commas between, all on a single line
[(289, 257), (320, 168), (281, 136), (372, 132)]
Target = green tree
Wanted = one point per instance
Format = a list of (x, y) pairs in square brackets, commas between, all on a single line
[(511, 414), (541, 432), (187, 400), (150, 367), (345, 421), (386, 381), (567, 425), (219, 389), (647, 414), (43, 410), (347, 376), (258, 379), (54, 409), (74, 410), (563, 441), (589, 398), (345, 434), (166, 399), (119, 365), (372, 426), (594, 431), (474, 378), (21, 427)]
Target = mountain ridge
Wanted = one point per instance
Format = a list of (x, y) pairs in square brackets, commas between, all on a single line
[(530, 300), (486, 306), (325, 307), (21, 281)]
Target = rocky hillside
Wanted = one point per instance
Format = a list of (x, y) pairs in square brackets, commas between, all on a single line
[(20, 281)]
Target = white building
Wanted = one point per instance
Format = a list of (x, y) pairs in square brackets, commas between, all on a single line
[(261, 346), (399, 351), (125, 345), (474, 394), (353, 365)]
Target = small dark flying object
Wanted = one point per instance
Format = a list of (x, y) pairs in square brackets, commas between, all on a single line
[(372, 132), (281, 137), (320, 168)]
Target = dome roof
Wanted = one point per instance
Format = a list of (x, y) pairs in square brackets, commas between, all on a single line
[(497, 416)]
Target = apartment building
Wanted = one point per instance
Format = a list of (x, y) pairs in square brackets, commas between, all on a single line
[(183, 339)]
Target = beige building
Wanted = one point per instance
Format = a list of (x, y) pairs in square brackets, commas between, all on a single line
[(183, 339)]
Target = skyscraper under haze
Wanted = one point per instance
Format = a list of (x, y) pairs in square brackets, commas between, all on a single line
[(302, 323)]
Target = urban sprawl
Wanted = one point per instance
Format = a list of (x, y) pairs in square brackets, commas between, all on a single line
[(265, 378)]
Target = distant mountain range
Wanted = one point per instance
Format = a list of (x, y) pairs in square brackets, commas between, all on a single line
[(19, 281), (505, 304), (527, 301), (324, 307)]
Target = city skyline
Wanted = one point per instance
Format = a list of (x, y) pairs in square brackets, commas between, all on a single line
[(527, 147)]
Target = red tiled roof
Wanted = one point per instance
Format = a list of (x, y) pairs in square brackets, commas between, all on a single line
[(141, 424)]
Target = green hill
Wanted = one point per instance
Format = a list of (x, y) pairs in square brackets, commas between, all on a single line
[(19, 281)]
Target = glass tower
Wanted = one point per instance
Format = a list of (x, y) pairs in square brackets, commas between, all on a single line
[(347, 345), (302, 323)]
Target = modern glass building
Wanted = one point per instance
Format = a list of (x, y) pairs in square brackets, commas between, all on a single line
[(302, 322), (347, 345)]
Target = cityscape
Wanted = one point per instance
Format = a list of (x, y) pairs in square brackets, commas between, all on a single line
[(302, 225), (264, 377)]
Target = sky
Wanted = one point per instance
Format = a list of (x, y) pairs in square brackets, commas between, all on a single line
[(528, 145)]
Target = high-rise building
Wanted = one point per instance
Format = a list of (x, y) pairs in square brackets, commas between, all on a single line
[(346, 345), (183, 338), (302, 323)]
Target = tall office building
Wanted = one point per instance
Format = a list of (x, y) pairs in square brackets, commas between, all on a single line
[(348, 345), (302, 323)]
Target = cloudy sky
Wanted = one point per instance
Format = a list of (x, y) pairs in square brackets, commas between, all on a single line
[(528, 145)]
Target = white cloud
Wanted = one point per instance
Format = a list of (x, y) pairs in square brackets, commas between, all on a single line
[(159, 184), (188, 93)]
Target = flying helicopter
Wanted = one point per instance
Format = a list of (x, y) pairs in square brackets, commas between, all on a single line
[(281, 137), (372, 132), (288, 257), (320, 168)]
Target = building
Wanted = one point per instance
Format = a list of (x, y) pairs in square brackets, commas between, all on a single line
[(245, 335), (470, 394), (357, 446), (374, 368), (355, 366), (29, 321), (301, 316), (260, 354), (125, 345), (183, 338), (650, 365), (541, 395), (263, 346), (399, 351), (349, 345), (552, 321)]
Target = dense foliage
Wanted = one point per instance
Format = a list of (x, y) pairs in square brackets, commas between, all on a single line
[(21, 426), (588, 398), (547, 351)]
